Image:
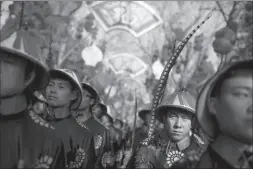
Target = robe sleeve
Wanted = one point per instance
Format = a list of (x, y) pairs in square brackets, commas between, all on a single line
[(52, 155), (145, 157)]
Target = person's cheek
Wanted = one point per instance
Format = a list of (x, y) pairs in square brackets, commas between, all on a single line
[(171, 123)]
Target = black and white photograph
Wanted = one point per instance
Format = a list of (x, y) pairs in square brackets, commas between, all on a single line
[(126, 84)]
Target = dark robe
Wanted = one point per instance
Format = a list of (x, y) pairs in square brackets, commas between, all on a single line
[(26, 138), (226, 152), (211, 159), (162, 153), (78, 142), (101, 139)]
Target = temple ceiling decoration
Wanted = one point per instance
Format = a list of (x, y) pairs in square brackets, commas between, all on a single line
[(135, 17), (126, 63)]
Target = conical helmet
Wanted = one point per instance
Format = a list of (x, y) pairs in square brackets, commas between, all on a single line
[(18, 50), (71, 75), (144, 110), (181, 100)]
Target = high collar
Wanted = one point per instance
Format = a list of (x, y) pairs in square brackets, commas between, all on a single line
[(229, 149), (13, 105), (184, 143), (59, 113)]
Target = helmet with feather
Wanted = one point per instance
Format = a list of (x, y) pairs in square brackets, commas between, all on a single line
[(179, 102)]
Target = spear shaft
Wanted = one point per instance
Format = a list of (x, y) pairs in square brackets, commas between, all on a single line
[(134, 125)]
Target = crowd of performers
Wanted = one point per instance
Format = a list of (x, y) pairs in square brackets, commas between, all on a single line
[(49, 119)]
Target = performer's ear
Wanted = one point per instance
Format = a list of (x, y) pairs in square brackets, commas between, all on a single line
[(190, 133)]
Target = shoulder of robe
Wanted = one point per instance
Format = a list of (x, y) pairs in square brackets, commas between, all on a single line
[(205, 160), (145, 156), (38, 120)]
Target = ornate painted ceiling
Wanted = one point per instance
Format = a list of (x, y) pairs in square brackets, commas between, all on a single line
[(136, 17)]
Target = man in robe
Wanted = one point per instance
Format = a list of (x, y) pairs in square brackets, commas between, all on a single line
[(64, 96), (224, 111), (26, 140), (101, 135), (167, 147)]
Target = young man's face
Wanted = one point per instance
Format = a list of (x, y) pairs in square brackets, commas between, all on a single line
[(233, 107), (13, 78), (177, 125), (87, 100), (59, 93)]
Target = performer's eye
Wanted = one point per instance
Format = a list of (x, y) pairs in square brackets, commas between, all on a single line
[(61, 87), (240, 94), (172, 116)]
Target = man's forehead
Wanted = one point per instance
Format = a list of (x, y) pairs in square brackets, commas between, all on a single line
[(239, 82), (178, 113), (61, 81)]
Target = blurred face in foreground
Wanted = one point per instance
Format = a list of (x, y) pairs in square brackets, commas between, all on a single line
[(232, 107), (178, 125), (59, 93), (14, 75)]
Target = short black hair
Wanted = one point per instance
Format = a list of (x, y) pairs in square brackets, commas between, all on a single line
[(228, 74), (191, 116), (179, 111)]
